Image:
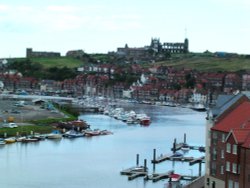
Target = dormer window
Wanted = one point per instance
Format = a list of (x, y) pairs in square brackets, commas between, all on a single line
[(228, 148), (235, 149)]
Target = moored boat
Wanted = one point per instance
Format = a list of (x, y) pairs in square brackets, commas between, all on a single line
[(185, 147), (174, 177), (90, 132), (73, 134), (54, 135), (10, 140), (2, 142), (145, 120), (30, 140)]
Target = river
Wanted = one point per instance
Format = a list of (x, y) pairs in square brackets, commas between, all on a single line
[(96, 162)]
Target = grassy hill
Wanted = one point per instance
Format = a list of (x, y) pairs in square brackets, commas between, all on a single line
[(208, 63), (58, 62), (200, 61)]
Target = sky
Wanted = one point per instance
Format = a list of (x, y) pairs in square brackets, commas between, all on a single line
[(101, 26)]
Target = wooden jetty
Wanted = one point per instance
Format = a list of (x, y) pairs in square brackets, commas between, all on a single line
[(178, 146), (197, 160), (158, 176), (137, 171), (134, 172), (172, 157)]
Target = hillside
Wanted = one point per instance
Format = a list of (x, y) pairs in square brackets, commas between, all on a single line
[(58, 62), (208, 63), (199, 61)]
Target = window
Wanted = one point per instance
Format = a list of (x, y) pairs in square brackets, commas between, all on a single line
[(222, 154), (214, 154), (223, 137), (228, 166), (234, 149), (234, 170), (236, 184), (228, 148), (230, 183), (215, 135), (238, 169), (222, 170)]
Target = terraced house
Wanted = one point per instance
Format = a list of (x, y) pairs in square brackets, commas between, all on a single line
[(228, 143)]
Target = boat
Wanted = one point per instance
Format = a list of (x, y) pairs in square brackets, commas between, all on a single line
[(10, 140), (174, 177), (73, 134), (105, 132), (199, 107), (2, 142), (185, 147), (20, 139), (145, 120), (90, 132), (30, 139), (54, 135)]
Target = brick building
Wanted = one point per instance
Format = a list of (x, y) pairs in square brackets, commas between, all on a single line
[(227, 143)]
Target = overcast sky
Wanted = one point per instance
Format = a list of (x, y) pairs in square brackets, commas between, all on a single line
[(100, 26)]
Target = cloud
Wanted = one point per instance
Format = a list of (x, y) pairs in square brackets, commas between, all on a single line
[(3, 7)]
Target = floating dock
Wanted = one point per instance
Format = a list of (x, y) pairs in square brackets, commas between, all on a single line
[(134, 172), (158, 176)]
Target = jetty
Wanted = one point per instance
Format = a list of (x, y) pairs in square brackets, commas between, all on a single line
[(158, 176), (137, 171), (134, 172), (179, 146), (173, 157)]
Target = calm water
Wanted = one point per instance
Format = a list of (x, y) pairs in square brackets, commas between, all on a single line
[(96, 162)]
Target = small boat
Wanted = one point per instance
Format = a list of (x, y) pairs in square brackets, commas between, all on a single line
[(2, 142), (145, 120), (185, 147), (30, 140), (199, 107), (174, 177), (90, 132), (10, 140), (105, 132), (177, 154), (54, 135), (73, 134), (20, 139), (140, 169)]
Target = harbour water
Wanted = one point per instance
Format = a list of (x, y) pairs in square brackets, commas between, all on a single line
[(96, 162)]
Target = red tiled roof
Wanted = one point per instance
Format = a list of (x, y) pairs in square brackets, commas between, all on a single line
[(240, 135), (247, 143), (237, 118)]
